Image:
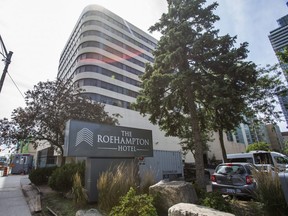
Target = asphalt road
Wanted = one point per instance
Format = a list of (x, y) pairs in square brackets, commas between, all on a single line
[(12, 200)]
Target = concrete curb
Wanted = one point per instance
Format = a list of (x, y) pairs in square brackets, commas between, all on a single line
[(32, 194)]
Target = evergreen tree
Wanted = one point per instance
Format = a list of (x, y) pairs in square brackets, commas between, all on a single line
[(199, 81), (173, 84)]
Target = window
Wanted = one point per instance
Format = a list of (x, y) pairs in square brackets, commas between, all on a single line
[(23, 160), (241, 160), (281, 160), (230, 169)]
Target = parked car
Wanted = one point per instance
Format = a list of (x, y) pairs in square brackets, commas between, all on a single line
[(234, 179), (276, 159)]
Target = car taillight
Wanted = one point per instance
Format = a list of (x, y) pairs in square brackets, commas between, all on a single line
[(249, 180), (213, 178)]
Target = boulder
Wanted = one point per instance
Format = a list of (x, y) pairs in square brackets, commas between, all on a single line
[(169, 193), (188, 209), (90, 212)]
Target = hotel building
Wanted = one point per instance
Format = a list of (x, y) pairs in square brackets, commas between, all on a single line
[(105, 55)]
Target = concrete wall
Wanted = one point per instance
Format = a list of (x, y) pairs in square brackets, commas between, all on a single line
[(231, 147), (132, 118)]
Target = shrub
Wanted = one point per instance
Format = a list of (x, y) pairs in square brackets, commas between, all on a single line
[(62, 178), (79, 193), (216, 201), (146, 181), (134, 205), (258, 146), (115, 183), (269, 192), (40, 176)]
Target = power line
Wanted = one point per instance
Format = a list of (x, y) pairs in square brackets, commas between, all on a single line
[(16, 85)]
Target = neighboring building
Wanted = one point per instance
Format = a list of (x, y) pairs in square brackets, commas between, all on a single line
[(285, 136), (276, 138), (105, 55), (231, 146), (248, 134), (279, 40)]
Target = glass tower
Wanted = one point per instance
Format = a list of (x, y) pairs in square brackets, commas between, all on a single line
[(279, 40)]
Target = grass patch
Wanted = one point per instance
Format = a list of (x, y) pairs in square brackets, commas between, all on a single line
[(60, 205), (247, 208), (115, 183)]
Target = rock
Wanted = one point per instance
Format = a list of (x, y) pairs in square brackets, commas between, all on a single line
[(168, 194), (90, 212), (188, 209)]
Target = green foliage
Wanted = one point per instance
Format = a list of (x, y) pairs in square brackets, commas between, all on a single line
[(258, 146), (269, 192), (79, 193), (200, 82), (115, 183), (285, 148), (134, 205), (9, 132), (50, 105), (283, 56), (246, 208), (174, 84), (40, 176), (216, 201), (62, 178)]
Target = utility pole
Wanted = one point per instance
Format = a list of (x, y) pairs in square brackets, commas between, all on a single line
[(7, 59)]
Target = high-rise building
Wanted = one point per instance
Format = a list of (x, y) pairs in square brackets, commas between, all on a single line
[(105, 55), (279, 40)]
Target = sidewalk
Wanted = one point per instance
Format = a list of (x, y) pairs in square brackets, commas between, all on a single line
[(12, 199)]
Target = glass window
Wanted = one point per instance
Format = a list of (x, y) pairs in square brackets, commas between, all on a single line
[(23, 159), (230, 169), (241, 160), (281, 160)]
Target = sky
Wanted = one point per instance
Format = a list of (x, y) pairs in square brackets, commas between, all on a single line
[(36, 31)]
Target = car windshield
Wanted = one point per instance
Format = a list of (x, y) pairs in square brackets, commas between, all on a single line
[(229, 169)]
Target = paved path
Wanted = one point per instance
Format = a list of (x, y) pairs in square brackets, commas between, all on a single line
[(12, 200)]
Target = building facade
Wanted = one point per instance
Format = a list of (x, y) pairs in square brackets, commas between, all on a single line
[(105, 55), (279, 40)]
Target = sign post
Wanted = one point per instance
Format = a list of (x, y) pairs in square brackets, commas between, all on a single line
[(104, 146)]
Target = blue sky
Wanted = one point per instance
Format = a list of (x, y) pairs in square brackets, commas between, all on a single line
[(252, 21), (36, 31)]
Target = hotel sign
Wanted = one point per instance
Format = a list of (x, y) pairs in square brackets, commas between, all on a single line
[(86, 139)]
